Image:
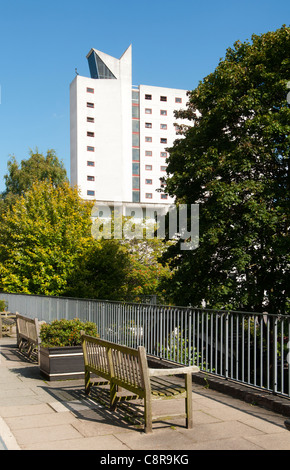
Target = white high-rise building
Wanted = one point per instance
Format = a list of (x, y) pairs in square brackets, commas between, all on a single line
[(120, 132)]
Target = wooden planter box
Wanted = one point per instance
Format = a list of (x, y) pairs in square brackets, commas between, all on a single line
[(62, 363)]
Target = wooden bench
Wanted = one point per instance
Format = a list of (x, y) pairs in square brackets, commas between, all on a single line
[(7, 321), (128, 368), (28, 334)]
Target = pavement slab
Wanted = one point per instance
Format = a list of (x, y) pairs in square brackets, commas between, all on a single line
[(40, 415)]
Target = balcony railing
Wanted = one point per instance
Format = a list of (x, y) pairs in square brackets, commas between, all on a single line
[(250, 348)]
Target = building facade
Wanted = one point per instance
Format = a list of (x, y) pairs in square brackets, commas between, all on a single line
[(119, 133)]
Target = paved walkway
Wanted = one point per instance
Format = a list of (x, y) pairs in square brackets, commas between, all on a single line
[(35, 414)]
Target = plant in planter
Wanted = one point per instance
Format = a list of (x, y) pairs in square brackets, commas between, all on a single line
[(3, 305), (61, 355)]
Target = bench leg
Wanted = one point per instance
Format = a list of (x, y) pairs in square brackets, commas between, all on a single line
[(188, 400), (148, 414), (87, 382), (113, 395)]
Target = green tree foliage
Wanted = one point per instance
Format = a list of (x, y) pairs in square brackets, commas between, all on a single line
[(147, 274), (120, 269), (101, 272), (47, 248), (234, 162), (42, 235), (38, 167)]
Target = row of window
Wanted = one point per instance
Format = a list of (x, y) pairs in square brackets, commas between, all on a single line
[(136, 182), (147, 195), (163, 112), (136, 168), (136, 140), (148, 153), (147, 96), (163, 140), (148, 125), (135, 111), (163, 98), (150, 196)]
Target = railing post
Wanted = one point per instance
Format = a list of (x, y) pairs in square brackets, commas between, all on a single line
[(190, 360), (227, 346), (274, 357)]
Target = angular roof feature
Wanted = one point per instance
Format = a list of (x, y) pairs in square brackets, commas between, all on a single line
[(98, 68)]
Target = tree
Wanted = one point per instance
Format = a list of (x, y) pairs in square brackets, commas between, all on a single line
[(234, 162), (101, 272), (147, 274), (42, 235), (126, 269), (38, 167)]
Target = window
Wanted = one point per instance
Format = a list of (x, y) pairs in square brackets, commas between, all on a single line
[(148, 153), (148, 125), (135, 96), (90, 105), (163, 141), (148, 181), (90, 178), (90, 149), (90, 119), (163, 154), (163, 112), (136, 182), (135, 112), (148, 97), (90, 193), (90, 134), (178, 100), (163, 196), (148, 139), (148, 111), (148, 195), (90, 90), (136, 169), (135, 155), (90, 163), (136, 196), (135, 140), (163, 98), (148, 167), (163, 168), (135, 125), (163, 126)]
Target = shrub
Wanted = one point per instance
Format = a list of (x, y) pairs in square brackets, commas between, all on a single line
[(3, 305), (60, 333)]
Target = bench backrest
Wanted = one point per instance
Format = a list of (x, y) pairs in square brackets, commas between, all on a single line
[(28, 328), (125, 365)]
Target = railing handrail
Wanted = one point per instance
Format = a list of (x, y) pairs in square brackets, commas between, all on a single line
[(164, 306), (248, 347)]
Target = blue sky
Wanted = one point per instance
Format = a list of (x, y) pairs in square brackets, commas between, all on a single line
[(175, 44)]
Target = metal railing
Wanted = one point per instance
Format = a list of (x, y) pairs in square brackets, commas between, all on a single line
[(250, 348)]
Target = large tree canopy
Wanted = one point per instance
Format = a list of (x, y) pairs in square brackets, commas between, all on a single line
[(234, 162), (38, 167), (47, 248), (42, 236)]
